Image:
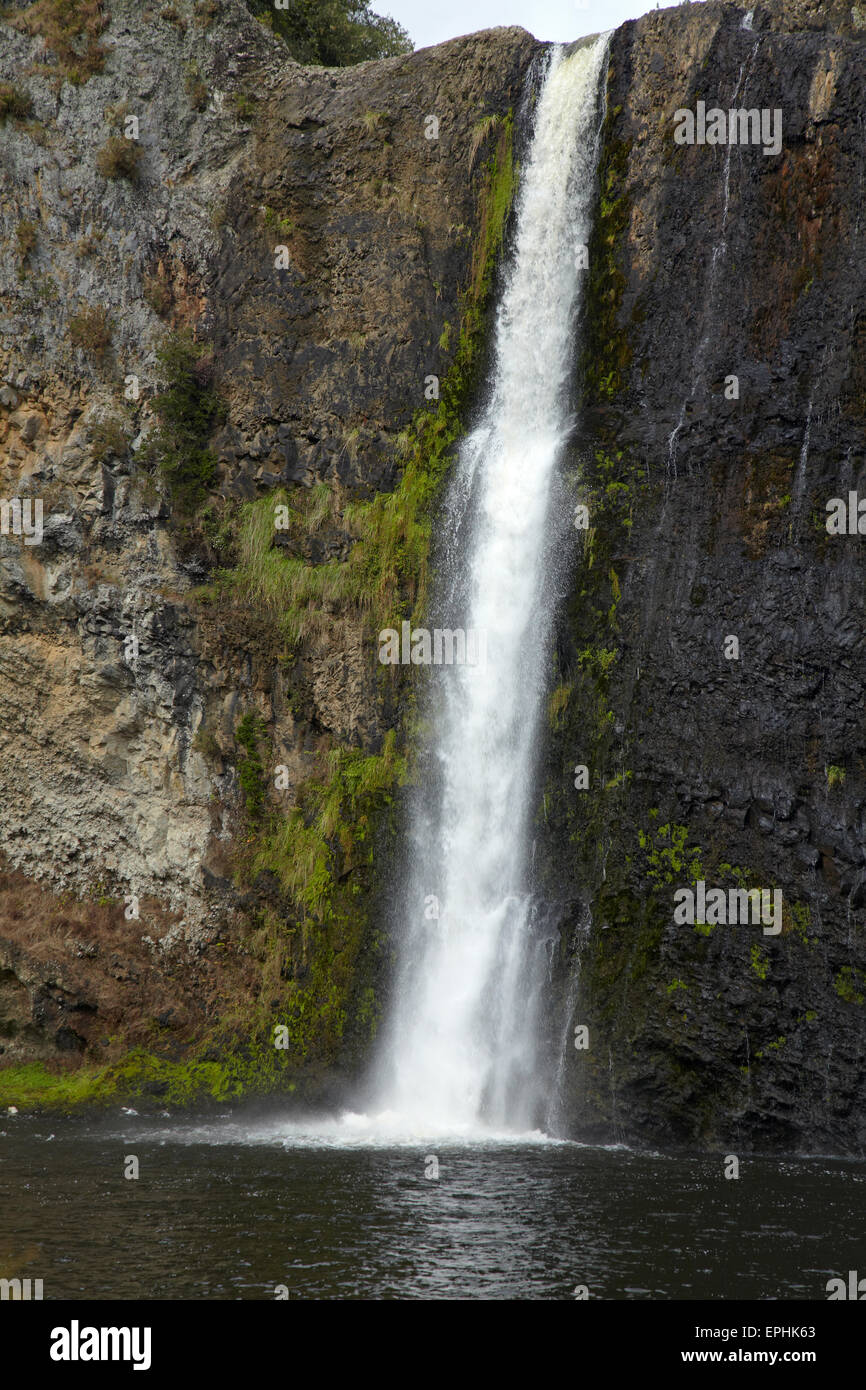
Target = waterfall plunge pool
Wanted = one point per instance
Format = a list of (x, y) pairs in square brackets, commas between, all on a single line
[(231, 1208)]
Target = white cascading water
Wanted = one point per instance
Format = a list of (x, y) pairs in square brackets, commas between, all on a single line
[(458, 1053)]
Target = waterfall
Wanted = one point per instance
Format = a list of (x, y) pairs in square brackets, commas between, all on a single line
[(458, 1051)]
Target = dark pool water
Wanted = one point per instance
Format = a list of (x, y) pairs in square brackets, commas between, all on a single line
[(226, 1208)]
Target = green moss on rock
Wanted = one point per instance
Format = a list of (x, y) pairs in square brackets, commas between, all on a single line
[(607, 350)]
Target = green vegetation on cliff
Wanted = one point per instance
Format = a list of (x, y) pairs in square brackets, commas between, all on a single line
[(332, 819), (71, 30), (386, 572), (15, 104), (316, 955), (335, 33), (140, 1073), (251, 774), (187, 410)]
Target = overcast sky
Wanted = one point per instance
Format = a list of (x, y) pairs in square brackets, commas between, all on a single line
[(433, 21)]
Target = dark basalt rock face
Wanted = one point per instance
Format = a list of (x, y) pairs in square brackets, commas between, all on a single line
[(726, 263), (378, 223)]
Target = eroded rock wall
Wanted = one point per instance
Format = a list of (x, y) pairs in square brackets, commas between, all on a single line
[(120, 694)]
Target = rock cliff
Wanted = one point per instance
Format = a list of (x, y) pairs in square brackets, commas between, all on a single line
[(723, 409)]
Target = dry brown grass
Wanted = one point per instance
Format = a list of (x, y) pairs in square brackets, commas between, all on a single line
[(90, 330), (116, 991), (71, 30)]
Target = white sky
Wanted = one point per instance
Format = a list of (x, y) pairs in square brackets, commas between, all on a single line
[(433, 21)]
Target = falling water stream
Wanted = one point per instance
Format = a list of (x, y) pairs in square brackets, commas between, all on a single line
[(459, 1049)]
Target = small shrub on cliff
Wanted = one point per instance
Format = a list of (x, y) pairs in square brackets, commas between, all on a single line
[(251, 773), (157, 294), (88, 245), (15, 105), (25, 234), (206, 743), (196, 89), (335, 33), (245, 105), (172, 16), (849, 984), (119, 159), (90, 330), (108, 441), (188, 411), (272, 219), (38, 133)]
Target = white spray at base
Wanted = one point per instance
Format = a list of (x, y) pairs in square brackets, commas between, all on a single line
[(458, 1053)]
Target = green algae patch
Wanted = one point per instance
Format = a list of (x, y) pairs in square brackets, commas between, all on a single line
[(142, 1075), (669, 857), (33, 1085), (850, 985)]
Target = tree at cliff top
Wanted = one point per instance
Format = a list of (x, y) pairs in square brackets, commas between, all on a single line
[(335, 33)]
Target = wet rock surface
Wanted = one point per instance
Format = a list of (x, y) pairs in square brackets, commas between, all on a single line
[(741, 768)]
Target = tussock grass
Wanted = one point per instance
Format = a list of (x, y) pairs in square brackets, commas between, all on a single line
[(15, 104), (386, 572), (119, 159), (90, 330), (71, 30), (558, 703), (335, 813), (482, 131)]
